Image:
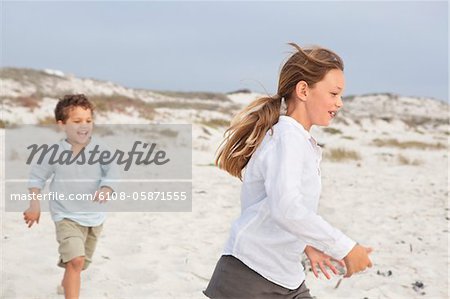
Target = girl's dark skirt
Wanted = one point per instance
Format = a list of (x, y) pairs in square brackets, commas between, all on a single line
[(233, 279)]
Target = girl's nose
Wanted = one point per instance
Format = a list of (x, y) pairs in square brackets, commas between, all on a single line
[(339, 103)]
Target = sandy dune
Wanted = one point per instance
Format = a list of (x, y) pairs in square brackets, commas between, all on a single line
[(400, 210)]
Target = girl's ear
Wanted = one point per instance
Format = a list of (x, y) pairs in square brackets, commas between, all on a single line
[(301, 91)]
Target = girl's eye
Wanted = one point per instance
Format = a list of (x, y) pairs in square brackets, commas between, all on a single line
[(334, 94)]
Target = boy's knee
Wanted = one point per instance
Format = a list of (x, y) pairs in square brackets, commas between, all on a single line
[(76, 263)]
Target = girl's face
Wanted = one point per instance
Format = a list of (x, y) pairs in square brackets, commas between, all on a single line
[(78, 127), (324, 98)]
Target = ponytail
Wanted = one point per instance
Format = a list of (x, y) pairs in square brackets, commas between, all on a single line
[(246, 132)]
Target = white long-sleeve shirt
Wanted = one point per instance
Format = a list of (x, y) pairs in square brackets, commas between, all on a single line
[(279, 200)]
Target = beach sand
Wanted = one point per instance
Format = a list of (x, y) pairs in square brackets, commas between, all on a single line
[(399, 210)]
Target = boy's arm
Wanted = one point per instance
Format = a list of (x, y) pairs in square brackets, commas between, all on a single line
[(38, 176), (110, 176), (107, 185), (108, 181), (33, 213)]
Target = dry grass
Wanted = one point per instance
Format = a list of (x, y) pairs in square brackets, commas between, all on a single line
[(215, 122), (195, 95), (3, 124), (49, 120), (168, 133), (31, 102), (407, 161), (332, 131), (120, 104), (24, 75), (229, 108), (407, 144), (386, 118), (348, 98), (415, 121), (341, 154)]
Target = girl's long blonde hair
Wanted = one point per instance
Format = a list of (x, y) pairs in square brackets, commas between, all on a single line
[(249, 126)]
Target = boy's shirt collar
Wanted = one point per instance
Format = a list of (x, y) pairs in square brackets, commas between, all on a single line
[(67, 146)]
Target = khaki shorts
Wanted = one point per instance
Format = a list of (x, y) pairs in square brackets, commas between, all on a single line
[(76, 240)]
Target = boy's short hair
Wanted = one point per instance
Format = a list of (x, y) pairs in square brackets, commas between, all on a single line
[(68, 102)]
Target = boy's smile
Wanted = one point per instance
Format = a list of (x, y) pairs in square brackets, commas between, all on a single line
[(78, 126)]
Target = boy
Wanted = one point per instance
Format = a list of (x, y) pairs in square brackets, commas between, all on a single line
[(77, 227)]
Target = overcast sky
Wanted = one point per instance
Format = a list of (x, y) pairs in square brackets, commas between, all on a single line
[(399, 47)]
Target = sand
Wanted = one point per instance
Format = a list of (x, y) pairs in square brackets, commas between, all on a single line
[(401, 210)]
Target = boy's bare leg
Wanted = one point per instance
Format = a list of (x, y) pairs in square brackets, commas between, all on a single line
[(72, 277)]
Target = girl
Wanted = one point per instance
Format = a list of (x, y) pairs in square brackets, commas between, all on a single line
[(281, 186)]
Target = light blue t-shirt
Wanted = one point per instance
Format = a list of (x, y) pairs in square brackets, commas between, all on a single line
[(77, 179)]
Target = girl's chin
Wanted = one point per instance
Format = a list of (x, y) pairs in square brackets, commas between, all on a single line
[(325, 123)]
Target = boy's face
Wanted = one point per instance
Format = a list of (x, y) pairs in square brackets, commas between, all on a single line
[(78, 126)]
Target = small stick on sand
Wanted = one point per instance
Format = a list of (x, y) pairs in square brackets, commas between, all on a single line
[(338, 283)]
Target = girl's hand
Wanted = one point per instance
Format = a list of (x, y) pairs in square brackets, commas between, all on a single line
[(318, 258), (357, 260)]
